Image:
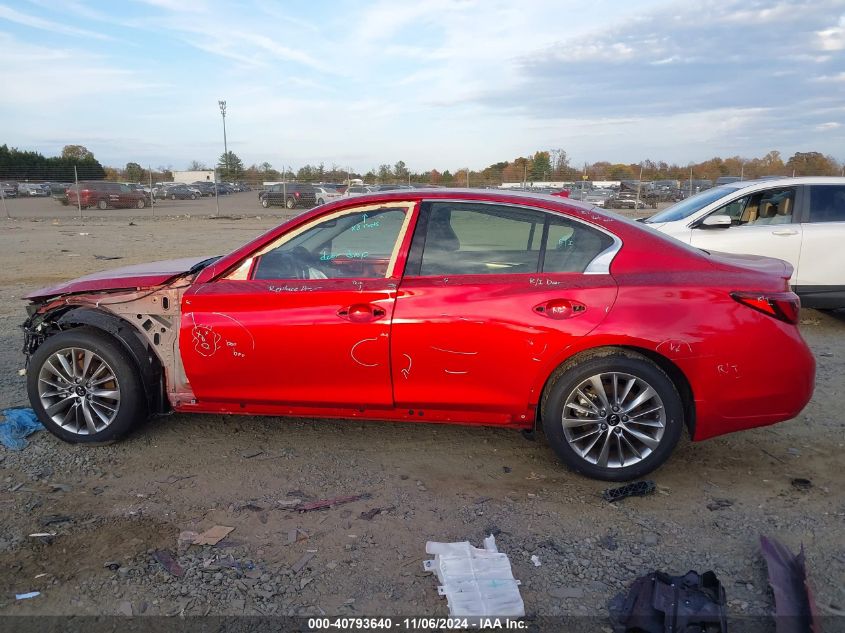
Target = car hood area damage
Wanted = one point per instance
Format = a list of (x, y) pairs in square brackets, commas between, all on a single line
[(124, 278)]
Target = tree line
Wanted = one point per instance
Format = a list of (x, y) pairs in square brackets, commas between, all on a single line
[(542, 166)]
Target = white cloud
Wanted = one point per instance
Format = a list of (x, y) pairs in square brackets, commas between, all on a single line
[(25, 19), (833, 39), (830, 125)]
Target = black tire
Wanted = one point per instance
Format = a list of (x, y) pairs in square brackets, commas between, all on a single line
[(132, 408), (290, 203), (173, 196), (193, 196), (320, 201), (142, 203), (102, 204), (571, 375)]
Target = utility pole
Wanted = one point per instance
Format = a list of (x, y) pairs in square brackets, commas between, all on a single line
[(222, 105), (3, 198)]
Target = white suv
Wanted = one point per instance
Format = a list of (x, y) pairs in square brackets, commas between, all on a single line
[(800, 220)]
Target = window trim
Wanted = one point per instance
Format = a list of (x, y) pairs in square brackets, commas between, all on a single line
[(244, 270), (599, 265)]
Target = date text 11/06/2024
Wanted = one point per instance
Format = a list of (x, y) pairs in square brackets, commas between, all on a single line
[(416, 624)]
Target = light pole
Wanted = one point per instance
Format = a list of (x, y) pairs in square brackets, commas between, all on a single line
[(222, 105)]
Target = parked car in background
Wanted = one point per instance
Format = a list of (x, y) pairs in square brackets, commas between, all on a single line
[(182, 192), (455, 306), (241, 186), (357, 190), (627, 200), (207, 189), (798, 220), (31, 190), (103, 194), (325, 194), (10, 189), (289, 195)]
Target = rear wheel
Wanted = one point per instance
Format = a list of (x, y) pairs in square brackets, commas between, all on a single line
[(102, 204), (141, 203), (320, 201), (84, 387), (290, 203), (265, 202), (193, 196), (614, 417), (173, 196)]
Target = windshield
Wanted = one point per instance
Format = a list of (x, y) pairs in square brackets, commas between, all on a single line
[(686, 208)]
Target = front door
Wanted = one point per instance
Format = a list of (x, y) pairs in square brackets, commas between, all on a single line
[(304, 321), (762, 225), (492, 295)]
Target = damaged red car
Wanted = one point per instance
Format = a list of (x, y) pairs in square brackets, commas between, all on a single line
[(451, 306)]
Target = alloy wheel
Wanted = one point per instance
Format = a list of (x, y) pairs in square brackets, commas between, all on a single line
[(79, 391), (614, 420)]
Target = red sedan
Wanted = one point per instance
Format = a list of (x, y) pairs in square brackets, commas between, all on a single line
[(455, 306)]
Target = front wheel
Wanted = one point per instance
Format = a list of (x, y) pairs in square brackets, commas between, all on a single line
[(193, 196), (320, 201), (173, 196), (265, 202), (615, 417), (84, 387), (103, 204), (290, 203), (141, 203)]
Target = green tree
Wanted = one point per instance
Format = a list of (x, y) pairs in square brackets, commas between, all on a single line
[(77, 153), (541, 166), (384, 172), (134, 172), (812, 164), (229, 166), (400, 171)]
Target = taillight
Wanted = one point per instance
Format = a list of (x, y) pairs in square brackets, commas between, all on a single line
[(296, 193), (783, 306)]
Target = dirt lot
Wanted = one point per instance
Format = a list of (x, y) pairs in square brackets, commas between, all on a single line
[(112, 507)]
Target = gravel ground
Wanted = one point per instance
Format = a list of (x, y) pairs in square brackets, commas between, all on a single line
[(113, 508)]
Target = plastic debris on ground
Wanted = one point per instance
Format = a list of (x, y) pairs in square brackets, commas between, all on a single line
[(27, 596), (659, 603), (19, 422), (477, 583), (795, 610), (635, 489)]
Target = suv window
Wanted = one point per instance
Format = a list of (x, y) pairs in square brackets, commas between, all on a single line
[(773, 206), (827, 203), (357, 245), (474, 239)]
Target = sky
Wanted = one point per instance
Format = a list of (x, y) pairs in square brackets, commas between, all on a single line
[(439, 84)]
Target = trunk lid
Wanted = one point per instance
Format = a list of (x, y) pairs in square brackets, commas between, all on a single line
[(757, 263)]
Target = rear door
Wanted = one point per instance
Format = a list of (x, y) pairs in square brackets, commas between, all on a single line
[(763, 223), (491, 294), (821, 268)]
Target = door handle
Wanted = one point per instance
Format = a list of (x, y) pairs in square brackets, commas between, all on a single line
[(784, 232), (361, 312), (560, 309)]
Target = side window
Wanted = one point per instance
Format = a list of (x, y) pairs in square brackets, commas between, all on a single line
[(124, 189), (827, 203), (477, 239), (571, 246), (357, 245), (734, 210), (774, 206)]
